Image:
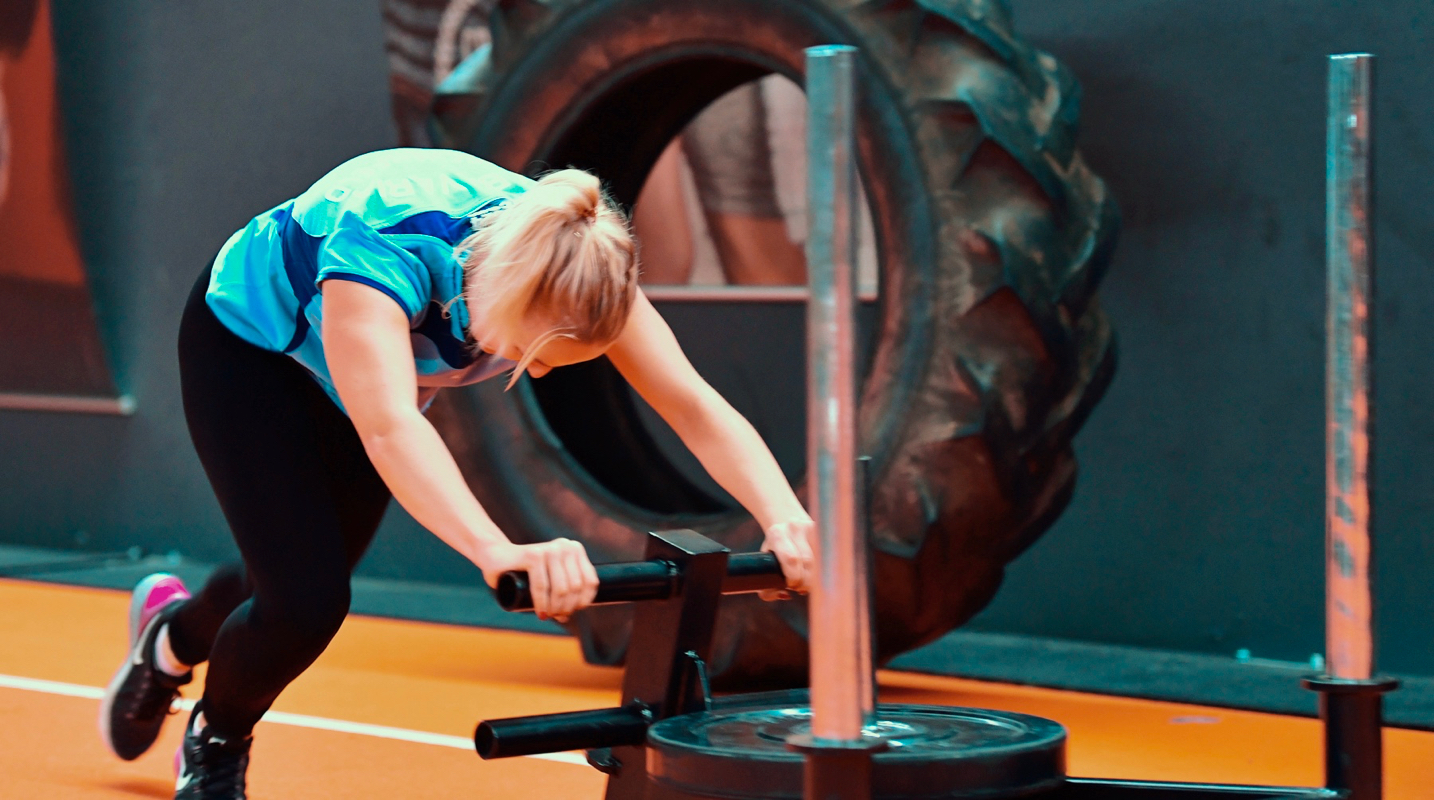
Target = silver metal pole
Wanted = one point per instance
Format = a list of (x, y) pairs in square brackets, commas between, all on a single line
[(1351, 698), (1350, 371), (840, 632)]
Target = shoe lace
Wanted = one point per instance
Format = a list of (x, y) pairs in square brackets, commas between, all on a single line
[(224, 766), (155, 697)]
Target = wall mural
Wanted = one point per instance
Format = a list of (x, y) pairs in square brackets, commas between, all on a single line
[(425, 40), (49, 340), (725, 204)]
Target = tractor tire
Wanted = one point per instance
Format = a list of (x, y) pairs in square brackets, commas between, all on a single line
[(991, 346)]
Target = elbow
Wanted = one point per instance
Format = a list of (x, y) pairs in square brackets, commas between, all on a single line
[(377, 428)]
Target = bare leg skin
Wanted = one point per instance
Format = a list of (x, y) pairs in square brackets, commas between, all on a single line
[(659, 219), (756, 250)]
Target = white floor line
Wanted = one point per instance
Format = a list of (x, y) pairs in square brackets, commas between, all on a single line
[(285, 718), (51, 687)]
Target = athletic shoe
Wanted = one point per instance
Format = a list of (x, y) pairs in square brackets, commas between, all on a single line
[(210, 766), (138, 699)]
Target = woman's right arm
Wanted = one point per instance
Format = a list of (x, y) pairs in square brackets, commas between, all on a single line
[(366, 344)]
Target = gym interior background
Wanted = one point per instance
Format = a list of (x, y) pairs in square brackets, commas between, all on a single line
[(1197, 524)]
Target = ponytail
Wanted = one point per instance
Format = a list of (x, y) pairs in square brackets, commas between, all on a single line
[(560, 249)]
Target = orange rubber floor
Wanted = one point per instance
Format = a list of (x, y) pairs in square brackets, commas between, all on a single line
[(386, 712)]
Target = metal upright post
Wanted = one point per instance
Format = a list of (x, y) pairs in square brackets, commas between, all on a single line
[(838, 757), (841, 655), (1349, 419), (1351, 696)]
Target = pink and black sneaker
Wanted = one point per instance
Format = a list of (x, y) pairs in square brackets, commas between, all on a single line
[(138, 699)]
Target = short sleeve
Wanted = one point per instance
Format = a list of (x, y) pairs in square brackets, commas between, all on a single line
[(355, 252)]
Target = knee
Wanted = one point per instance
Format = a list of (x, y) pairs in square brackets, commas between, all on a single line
[(308, 621), (229, 585), (319, 618)]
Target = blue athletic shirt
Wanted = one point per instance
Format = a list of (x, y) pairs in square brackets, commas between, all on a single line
[(389, 220)]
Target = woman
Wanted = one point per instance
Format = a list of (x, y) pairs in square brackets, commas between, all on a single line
[(308, 352)]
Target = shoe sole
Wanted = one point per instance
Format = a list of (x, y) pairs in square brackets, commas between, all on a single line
[(136, 638)]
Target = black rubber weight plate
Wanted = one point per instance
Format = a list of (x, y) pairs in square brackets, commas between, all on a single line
[(933, 752)]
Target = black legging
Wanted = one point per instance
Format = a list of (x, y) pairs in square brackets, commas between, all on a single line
[(302, 500)]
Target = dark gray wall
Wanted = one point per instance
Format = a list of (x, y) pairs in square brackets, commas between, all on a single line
[(1197, 523)]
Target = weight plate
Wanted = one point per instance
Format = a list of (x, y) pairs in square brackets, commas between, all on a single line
[(932, 752)]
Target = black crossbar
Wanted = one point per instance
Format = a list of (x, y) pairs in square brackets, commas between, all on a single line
[(657, 579)]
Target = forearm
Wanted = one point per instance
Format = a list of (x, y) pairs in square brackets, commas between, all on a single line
[(420, 471), (733, 453)]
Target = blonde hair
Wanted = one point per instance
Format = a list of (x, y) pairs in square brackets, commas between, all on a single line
[(561, 248)]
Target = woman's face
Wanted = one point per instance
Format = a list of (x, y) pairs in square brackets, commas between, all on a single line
[(513, 341)]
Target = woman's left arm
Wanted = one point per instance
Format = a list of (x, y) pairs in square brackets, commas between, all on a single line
[(730, 449)]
